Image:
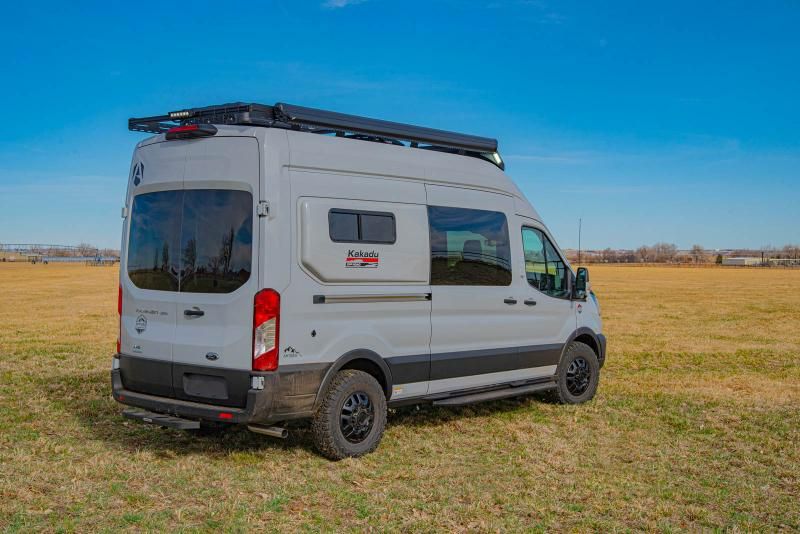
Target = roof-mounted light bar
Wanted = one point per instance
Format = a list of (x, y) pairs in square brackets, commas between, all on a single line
[(177, 115)]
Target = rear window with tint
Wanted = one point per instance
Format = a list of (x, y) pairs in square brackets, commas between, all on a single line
[(197, 240)]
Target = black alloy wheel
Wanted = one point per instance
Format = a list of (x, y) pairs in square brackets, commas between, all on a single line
[(357, 416), (351, 418), (579, 375)]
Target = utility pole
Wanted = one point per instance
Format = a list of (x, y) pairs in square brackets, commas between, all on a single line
[(580, 223)]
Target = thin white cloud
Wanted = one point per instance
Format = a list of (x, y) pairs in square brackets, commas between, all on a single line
[(336, 4)]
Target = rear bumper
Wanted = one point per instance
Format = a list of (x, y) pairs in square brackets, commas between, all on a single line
[(258, 406), (289, 393)]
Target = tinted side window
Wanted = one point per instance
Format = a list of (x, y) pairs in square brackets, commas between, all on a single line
[(349, 226), (153, 257), (216, 241), (544, 268), (197, 241), (469, 247), (343, 226)]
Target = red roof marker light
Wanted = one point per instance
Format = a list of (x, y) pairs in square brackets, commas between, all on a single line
[(191, 131)]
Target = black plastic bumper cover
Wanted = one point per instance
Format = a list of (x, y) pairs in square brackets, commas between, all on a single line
[(288, 393), (257, 408)]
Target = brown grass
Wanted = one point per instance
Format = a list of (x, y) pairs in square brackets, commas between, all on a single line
[(695, 427)]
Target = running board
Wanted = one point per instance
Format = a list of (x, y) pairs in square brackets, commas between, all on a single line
[(162, 420), (494, 394)]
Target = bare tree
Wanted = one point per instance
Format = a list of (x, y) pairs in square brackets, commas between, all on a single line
[(214, 263), (165, 257), (190, 255), (226, 251), (87, 249), (608, 256), (698, 254), (664, 252)]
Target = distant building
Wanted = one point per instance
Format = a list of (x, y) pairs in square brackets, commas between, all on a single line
[(741, 261)]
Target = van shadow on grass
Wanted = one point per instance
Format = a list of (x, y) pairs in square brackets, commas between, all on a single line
[(87, 398)]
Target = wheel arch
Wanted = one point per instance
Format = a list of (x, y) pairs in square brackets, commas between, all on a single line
[(588, 337), (361, 360)]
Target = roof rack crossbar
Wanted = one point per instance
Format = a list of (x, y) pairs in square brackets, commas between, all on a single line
[(312, 120)]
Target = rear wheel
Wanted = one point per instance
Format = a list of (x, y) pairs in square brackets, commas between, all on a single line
[(578, 374), (351, 419)]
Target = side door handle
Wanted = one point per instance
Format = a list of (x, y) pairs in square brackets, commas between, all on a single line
[(510, 300), (530, 302), (193, 313)]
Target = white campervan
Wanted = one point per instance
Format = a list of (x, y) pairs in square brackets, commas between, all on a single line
[(281, 262)]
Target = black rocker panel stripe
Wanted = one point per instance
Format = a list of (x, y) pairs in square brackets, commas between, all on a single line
[(420, 368), (409, 369)]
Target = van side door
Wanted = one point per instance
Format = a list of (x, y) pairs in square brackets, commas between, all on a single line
[(476, 322), (359, 278)]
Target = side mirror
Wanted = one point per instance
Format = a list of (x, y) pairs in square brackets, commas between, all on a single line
[(581, 283)]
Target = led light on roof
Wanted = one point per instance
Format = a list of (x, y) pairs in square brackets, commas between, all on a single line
[(179, 114)]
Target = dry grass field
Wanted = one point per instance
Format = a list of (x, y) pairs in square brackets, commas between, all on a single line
[(696, 426)]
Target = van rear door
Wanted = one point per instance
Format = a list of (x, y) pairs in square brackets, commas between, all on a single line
[(149, 268), (219, 271)]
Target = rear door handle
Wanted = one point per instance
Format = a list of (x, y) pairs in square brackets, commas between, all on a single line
[(194, 313), (510, 301), (530, 302)]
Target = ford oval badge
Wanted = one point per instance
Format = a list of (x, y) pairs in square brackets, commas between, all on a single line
[(212, 356)]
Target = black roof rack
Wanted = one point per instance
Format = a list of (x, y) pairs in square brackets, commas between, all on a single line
[(324, 122)]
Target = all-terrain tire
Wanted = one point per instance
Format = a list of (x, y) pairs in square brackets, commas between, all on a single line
[(352, 397), (578, 374)]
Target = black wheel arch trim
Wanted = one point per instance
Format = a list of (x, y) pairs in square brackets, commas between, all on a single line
[(350, 356), (599, 341)]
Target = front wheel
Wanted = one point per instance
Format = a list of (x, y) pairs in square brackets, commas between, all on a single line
[(578, 374), (351, 419)]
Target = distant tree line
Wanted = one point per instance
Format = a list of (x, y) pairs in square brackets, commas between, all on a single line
[(64, 251), (669, 253)]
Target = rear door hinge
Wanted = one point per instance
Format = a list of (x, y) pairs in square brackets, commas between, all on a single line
[(263, 209)]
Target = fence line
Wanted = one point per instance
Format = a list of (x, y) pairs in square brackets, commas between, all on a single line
[(690, 265)]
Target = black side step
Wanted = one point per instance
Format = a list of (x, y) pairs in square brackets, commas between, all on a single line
[(162, 420), (494, 394)]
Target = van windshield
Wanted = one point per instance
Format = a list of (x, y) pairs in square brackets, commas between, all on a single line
[(196, 241)]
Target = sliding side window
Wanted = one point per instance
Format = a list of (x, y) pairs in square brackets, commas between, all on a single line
[(352, 226)]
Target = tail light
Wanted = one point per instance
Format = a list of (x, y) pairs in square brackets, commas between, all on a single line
[(119, 316), (266, 327)]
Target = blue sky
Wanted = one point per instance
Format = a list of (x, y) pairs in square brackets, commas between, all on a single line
[(674, 121)]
